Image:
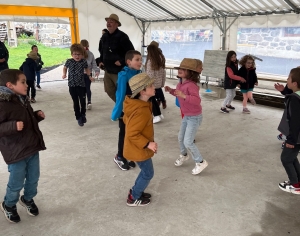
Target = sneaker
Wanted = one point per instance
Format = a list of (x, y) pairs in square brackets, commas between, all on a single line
[(122, 164), (30, 206), (156, 119), (10, 213), (287, 187), (246, 110), (131, 164), (224, 110), (83, 118), (89, 106), (252, 101), (162, 116), (199, 167), (144, 195), (138, 202), (32, 100), (80, 122), (164, 105), (279, 136), (181, 159), (230, 107), (38, 86)]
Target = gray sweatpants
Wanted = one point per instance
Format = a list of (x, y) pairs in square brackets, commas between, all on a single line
[(230, 94), (291, 164)]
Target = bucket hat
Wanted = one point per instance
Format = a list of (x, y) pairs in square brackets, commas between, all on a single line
[(138, 82), (114, 17), (190, 64), (32, 55)]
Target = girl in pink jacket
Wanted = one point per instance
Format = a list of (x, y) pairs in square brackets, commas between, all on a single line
[(187, 92)]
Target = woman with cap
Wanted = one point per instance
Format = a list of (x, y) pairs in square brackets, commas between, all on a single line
[(187, 92), (139, 145), (29, 68)]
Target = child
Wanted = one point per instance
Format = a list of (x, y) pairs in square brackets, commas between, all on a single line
[(39, 64), (77, 66), (187, 93), (20, 143), (155, 68), (290, 127), (29, 68), (230, 81), (247, 71), (90, 59), (133, 60), (139, 138)]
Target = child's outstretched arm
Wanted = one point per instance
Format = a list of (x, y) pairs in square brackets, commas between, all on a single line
[(192, 96), (170, 90), (233, 76), (65, 69)]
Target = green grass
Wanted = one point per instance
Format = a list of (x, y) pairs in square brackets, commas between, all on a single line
[(50, 56)]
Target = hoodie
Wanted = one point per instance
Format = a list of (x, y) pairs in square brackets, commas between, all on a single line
[(123, 89), (139, 129), (17, 145), (29, 67)]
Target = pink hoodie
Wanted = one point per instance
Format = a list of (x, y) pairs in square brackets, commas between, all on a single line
[(191, 105)]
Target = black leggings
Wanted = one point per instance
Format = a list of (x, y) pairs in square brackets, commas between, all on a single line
[(159, 95), (155, 107)]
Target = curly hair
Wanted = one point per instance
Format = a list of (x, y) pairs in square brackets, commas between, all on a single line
[(245, 58), (76, 47), (154, 54)]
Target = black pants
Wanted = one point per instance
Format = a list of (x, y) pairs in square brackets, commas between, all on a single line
[(78, 95), (159, 95), (88, 88), (155, 107), (121, 137), (31, 87), (291, 164)]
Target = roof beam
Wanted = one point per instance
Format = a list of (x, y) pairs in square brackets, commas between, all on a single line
[(292, 5), (164, 9), (123, 10), (213, 8)]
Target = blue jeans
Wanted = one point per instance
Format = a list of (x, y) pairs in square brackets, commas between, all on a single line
[(38, 77), (26, 170), (143, 179), (186, 136)]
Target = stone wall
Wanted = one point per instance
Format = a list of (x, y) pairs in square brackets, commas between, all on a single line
[(49, 34), (269, 42)]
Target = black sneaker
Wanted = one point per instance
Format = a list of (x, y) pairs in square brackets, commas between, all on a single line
[(230, 107), (224, 110), (30, 206), (121, 163), (83, 118), (10, 213), (38, 86), (80, 122), (131, 164), (144, 195), (138, 202)]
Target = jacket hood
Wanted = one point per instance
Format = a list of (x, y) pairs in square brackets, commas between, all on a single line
[(5, 93), (131, 105)]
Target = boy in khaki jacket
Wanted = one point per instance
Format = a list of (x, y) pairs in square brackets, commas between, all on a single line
[(139, 143)]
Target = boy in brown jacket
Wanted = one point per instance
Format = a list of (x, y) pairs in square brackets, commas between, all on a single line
[(20, 143), (139, 143)]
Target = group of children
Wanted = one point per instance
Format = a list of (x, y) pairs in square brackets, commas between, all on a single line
[(21, 139)]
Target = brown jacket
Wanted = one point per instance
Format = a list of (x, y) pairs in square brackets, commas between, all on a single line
[(17, 145), (139, 129)]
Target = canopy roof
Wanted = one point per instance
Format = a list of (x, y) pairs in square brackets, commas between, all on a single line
[(178, 10)]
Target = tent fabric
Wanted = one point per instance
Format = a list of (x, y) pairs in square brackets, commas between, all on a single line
[(166, 10)]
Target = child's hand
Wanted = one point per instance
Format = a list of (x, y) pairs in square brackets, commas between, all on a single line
[(92, 79), (243, 80), (256, 84), (41, 114), (167, 89), (64, 76), (152, 146), (179, 93), (20, 125), (279, 87)]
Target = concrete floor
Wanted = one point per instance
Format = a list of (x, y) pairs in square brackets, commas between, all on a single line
[(83, 192)]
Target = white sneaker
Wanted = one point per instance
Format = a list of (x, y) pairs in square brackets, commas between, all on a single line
[(180, 160), (199, 167), (89, 106), (156, 119), (162, 116)]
